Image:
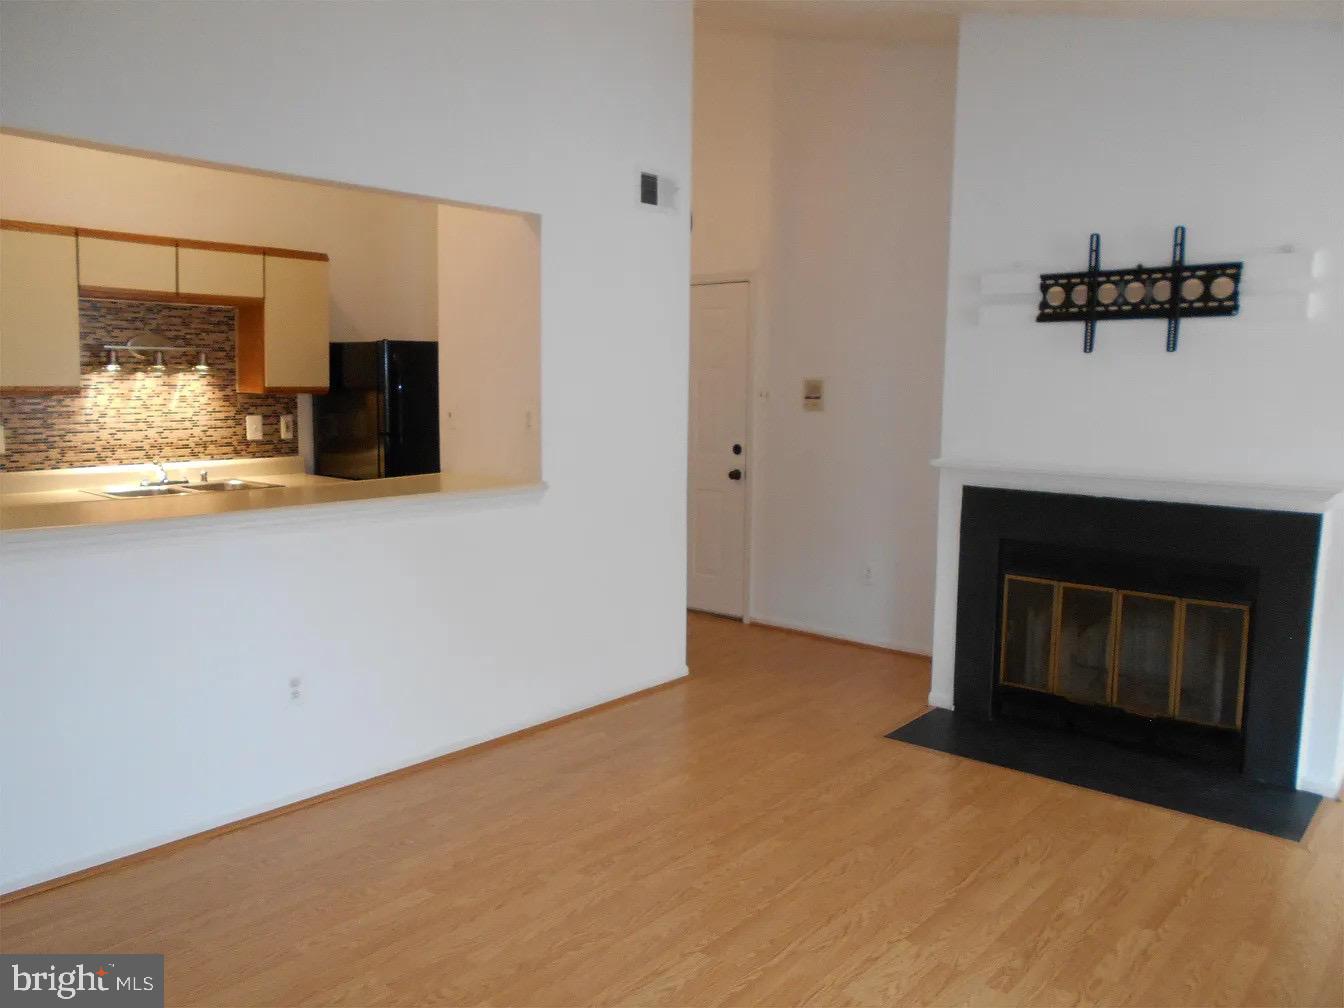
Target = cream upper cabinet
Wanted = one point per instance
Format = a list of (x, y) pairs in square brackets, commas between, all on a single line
[(39, 311), (127, 265), (297, 325), (216, 273), (281, 299)]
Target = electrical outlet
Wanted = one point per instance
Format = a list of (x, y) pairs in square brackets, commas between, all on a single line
[(287, 427), (295, 689), (253, 427), (868, 575)]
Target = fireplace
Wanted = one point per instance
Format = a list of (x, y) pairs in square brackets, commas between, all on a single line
[(1147, 648), (1238, 571)]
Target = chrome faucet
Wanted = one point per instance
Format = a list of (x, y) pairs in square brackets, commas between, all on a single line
[(163, 479)]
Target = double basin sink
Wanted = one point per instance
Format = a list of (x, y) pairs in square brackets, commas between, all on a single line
[(165, 490)]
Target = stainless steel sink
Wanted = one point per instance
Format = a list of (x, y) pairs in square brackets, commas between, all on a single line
[(119, 493), (213, 486), (217, 486)]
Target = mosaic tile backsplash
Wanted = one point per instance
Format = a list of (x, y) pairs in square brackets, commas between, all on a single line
[(135, 415)]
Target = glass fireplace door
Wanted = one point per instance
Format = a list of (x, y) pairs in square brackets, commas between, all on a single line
[(1151, 655)]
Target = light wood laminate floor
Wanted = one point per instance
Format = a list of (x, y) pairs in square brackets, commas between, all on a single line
[(747, 837)]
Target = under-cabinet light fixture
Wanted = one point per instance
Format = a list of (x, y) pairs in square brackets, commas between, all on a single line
[(139, 350)]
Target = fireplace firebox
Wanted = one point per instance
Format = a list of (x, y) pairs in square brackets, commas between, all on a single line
[(1162, 671), (1150, 655)]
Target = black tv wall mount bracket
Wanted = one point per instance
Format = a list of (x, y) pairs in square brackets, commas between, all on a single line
[(1172, 292)]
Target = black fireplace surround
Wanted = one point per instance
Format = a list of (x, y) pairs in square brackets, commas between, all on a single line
[(1266, 559)]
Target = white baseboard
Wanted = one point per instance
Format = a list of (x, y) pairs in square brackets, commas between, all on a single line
[(921, 649), (937, 698), (1326, 789)]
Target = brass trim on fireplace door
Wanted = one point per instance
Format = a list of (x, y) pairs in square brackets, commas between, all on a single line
[(1245, 656), (1245, 659), (1177, 659), (1118, 595), (1113, 680), (1056, 612), (1003, 633), (1110, 650), (1175, 646)]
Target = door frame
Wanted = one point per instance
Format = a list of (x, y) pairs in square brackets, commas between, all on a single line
[(749, 445)]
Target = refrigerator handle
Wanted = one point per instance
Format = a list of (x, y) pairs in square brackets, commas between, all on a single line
[(387, 391)]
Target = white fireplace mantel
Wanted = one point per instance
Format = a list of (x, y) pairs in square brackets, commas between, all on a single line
[(1314, 496)]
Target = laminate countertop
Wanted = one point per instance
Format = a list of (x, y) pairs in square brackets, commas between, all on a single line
[(77, 508)]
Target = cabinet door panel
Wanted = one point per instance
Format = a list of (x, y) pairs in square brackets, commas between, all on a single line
[(39, 311), (127, 266), (219, 274), (297, 326)]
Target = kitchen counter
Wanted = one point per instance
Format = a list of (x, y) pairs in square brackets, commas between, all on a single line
[(76, 508)]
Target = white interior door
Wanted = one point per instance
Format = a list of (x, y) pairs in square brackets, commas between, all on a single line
[(716, 542)]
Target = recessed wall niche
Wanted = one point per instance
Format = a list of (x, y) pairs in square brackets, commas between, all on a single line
[(137, 414)]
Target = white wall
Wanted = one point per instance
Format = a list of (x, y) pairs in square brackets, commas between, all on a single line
[(734, 142), (1243, 396), (1321, 758), (823, 168), (1234, 129), (490, 343), (415, 631)]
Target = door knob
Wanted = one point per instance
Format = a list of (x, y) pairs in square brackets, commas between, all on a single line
[(735, 474), (737, 449)]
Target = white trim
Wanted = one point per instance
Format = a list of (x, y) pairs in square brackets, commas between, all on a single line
[(1326, 789), (1313, 495), (937, 698), (919, 650)]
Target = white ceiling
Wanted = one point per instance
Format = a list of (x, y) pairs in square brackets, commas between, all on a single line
[(936, 20)]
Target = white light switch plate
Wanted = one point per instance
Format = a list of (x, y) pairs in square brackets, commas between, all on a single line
[(287, 427), (254, 427)]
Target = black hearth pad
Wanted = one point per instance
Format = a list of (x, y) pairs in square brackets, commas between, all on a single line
[(1192, 788)]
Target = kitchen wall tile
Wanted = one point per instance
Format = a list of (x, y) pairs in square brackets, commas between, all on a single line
[(131, 416)]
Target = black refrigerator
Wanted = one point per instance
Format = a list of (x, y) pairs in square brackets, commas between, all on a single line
[(381, 417)]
